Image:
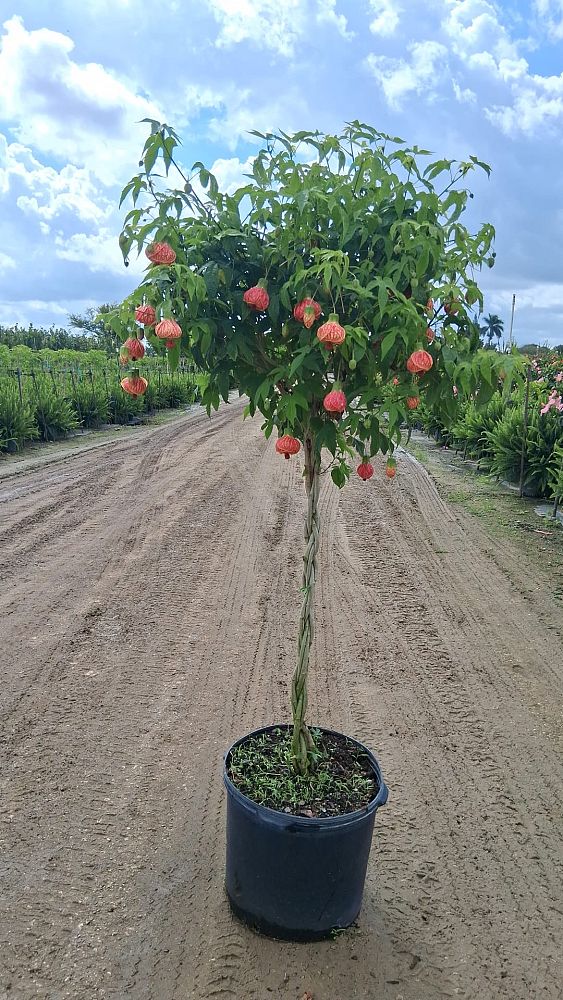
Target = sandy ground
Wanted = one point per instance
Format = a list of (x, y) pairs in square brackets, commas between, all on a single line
[(149, 598)]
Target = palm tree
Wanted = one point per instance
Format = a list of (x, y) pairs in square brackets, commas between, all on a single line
[(492, 326)]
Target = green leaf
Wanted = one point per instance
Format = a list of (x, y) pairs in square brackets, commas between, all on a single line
[(382, 297), (301, 199), (388, 343), (151, 156), (174, 356), (338, 476), (126, 190), (327, 437), (285, 298), (274, 307), (205, 341), (263, 391)]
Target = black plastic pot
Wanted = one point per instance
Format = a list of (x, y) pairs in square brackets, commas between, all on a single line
[(292, 877)]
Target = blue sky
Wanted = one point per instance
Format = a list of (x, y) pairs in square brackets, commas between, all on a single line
[(455, 76)]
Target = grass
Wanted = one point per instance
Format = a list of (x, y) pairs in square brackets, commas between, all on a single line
[(417, 452), (341, 780), (502, 514)]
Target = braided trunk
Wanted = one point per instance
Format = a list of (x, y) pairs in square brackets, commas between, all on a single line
[(302, 743)]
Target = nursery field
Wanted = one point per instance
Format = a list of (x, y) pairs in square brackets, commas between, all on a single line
[(142, 630)]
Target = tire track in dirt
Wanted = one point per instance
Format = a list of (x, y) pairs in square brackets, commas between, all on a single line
[(455, 723), (159, 624)]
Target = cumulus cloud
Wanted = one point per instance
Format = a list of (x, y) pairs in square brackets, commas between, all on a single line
[(473, 27), (269, 24), (216, 69), (230, 173), (80, 113), (550, 13), (537, 102), (242, 113), (99, 251), (43, 192), (387, 16), (326, 12), (41, 312), (278, 25), (464, 95), (538, 295), (481, 59), (400, 77)]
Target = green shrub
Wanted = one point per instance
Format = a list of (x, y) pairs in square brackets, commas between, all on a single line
[(90, 405), (556, 474), (17, 423), (545, 435), (54, 415), (427, 420), (122, 407), (471, 430), (175, 392), (152, 399), (505, 444)]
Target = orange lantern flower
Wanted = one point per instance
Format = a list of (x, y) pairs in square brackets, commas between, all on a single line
[(134, 348), (168, 329), (145, 315), (160, 253), (287, 445), (335, 401), (257, 298), (331, 334), (307, 312), (365, 470), (419, 362), (134, 384)]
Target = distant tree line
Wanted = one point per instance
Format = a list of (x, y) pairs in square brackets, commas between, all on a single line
[(538, 350), (37, 338), (94, 335)]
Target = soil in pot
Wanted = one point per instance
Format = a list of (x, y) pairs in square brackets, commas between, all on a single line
[(341, 781)]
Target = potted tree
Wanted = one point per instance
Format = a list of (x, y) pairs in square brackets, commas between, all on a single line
[(334, 290)]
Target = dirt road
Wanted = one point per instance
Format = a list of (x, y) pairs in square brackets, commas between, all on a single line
[(149, 602)]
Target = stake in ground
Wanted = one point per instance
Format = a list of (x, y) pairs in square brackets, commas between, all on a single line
[(333, 289)]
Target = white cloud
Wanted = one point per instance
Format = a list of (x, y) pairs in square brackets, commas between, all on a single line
[(80, 113), (551, 14), (473, 27), (40, 311), (387, 17), (484, 45), (326, 12), (99, 251), (420, 75), (289, 111), (540, 295), (43, 192), (230, 173), (269, 24), (464, 96), (6, 261), (537, 103)]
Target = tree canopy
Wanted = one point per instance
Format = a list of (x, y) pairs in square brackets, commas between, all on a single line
[(367, 228)]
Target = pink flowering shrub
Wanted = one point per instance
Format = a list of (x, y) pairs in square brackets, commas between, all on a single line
[(554, 401), (548, 372)]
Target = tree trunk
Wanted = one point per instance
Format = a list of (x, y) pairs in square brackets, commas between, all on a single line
[(302, 742)]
